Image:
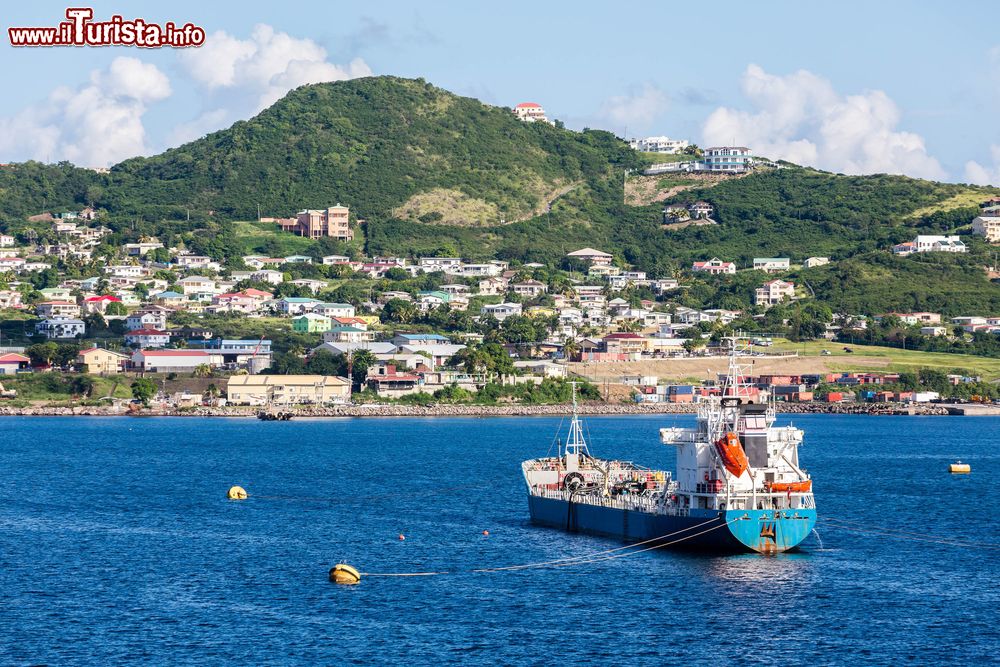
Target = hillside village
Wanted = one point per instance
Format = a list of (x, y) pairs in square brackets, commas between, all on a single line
[(279, 330)]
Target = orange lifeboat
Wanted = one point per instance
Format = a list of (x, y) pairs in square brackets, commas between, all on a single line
[(791, 487), (731, 452)]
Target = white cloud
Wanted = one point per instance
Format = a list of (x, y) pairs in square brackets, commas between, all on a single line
[(800, 117), (984, 175), (638, 109), (96, 124), (243, 76)]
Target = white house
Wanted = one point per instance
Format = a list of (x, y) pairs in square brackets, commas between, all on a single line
[(771, 264), (334, 309), (147, 338), (501, 311), (659, 145), (61, 327), (813, 262), (714, 266), (773, 292)]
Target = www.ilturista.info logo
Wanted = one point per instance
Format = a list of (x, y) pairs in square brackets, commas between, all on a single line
[(80, 30)]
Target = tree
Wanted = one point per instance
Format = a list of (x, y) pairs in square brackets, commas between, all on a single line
[(202, 371), (143, 389), (42, 354), (693, 344), (82, 385), (116, 308), (398, 310), (361, 361)]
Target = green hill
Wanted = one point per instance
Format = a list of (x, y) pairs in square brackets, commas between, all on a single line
[(431, 172)]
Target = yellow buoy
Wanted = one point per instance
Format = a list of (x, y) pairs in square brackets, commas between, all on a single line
[(959, 467), (343, 573), (237, 493)]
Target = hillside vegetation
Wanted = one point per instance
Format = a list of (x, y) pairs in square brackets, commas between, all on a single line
[(430, 172)]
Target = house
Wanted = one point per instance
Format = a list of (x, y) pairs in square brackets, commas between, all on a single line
[(287, 389), (423, 339), (501, 311), (248, 301), (934, 331), (298, 259), (99, 304), (295, 305), (148, 317), (625, 343), (988, 225), (57, 293), (101, 361), (347, 334), (269, 276), (169, 298), (714, 266), (311, 323), (7, 241), (930, 243), (330, 260), (391, 384), (430, 299), (194, 284), (332, 222), (338, 349), (493, 286), (530, 112), (61, 327), (591, 256), (659, 145), (813, 262), (142, 248), (197, 262), (334, 309), (10, 299), (529, 288), (173, 361), (147, 338), (773, 292), (700, 210), (313, 286), (918, 318), (13, 362), (440, 354), (57, 309), (771, 264), (542, 368), (254, 355), (729, 159)]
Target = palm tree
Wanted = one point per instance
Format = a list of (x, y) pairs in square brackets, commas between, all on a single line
[(203, 371), (570, 347)]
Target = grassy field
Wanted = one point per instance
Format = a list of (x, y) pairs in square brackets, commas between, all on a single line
[(894, 359), (256, 234), (964, 199), (661, 158)]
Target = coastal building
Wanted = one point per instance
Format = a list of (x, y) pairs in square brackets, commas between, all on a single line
[(930, 243), (101, 361), (99, 304), (57, 309), (148, 317), (714, 266), (287, 389), (730, 159), (773, 292), (147, 338), (987, 224), (813, 262), (10, 299), (591, 256), (61, 327), (771, 264), (530, 112), (529, 288), (311, 323), (317, 223), (659, 145), (334, 309), (501, 311), (13, 362), (173, 361)]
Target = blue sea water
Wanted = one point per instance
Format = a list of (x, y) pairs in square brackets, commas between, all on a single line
[(117, 546)]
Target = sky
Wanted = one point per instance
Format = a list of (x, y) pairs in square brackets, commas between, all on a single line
[(852, 87)]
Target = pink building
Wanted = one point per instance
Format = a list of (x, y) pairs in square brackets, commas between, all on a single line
[(317, 223)]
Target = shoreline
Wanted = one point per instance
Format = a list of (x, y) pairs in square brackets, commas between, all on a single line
[(592, 409)]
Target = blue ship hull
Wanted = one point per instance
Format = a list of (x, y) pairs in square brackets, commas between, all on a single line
[(725, 531)]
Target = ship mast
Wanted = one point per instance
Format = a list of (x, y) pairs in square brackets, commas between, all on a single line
[(575, 442)]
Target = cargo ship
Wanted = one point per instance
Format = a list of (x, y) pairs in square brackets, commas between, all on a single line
[(738, 486)]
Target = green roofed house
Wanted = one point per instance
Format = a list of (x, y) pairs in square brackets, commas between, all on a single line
[(432, 299), (311, 323)]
